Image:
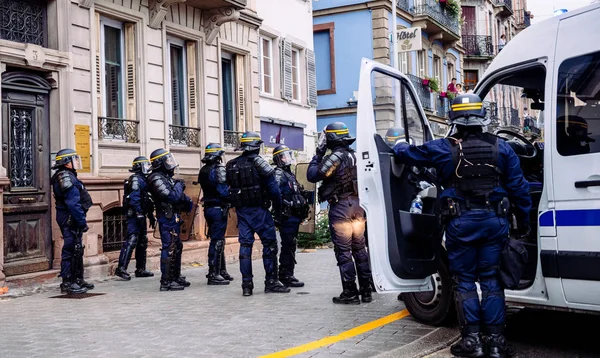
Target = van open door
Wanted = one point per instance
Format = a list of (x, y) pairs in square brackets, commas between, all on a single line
[(404, 248)]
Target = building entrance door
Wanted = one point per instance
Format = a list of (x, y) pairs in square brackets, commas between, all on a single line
[(26, 158)]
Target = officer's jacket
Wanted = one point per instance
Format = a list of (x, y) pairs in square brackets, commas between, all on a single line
[(438, 154), (136, 194), (165, 191), (337, 171), (71, 196), (212, 179)]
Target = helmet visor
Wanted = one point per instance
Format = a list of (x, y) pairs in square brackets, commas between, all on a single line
[(170, 162), (76, 162), (145, 166), (286, 158)]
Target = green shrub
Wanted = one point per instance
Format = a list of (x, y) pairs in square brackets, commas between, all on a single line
[(321, 235)]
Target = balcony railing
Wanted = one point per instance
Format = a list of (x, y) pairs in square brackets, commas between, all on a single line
[(491, 111), (423, 91), (188, 136), (505, 3), (478, 45), (232, 139), (523, 19), (118, 129), (23, 22), (403, 4), (439, 13), (509, 117)]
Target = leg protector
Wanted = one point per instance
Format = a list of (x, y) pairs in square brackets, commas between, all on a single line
[(246, 261), (224, 272), (141, 252), (270, 260), (77, 263), (127, 251)]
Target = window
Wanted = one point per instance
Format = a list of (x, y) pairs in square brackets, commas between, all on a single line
[(471, 78), (267, 65), (437, 69), (325, 58), (24, 21), (451, 72), (228, 97), (403, 62), (578, 106), (178, 77), (113, 58), (296, 75), (421, 64)]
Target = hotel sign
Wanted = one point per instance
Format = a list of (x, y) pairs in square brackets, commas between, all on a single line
[(409, 39)]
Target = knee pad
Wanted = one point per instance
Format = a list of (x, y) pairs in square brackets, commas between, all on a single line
[(459, 298), (219, 246)]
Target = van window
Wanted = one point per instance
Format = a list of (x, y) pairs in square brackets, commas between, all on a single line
[(578, 106)]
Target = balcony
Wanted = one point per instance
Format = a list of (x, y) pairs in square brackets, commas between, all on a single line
[(503, 7), (423, 91), (215, 4), (435, 20), (118, 129), (184, 136), (231, 139), (478, 47), (523, 19)]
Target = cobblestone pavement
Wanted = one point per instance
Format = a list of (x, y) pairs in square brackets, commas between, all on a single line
[(134, 319)]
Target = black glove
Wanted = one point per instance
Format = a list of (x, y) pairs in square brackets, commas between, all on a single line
[(524, 230), (321, 151), (152, 221)]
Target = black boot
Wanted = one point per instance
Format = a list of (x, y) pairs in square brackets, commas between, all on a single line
[(470, 345), (291, 281), (496, 343), (274, 286), (122, 273), (247, 287), (71, 287), (365, 290), (214, 278), (143, 273), (349, 295), (224, 272), (83, 283), (166, 285), (176, 268), (77, 268)]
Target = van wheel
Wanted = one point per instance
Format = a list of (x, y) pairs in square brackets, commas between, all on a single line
[(433, 307)]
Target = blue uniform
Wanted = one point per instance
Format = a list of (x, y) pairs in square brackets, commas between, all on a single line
[(72, 204), (347, 220), (475, 239), (215, 200)]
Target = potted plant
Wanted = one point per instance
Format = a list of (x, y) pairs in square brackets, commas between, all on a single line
[(434, 85), (453, 8), (425, 81)]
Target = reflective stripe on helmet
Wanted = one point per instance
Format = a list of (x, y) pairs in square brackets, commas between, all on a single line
[(66, 155), (160, 155)]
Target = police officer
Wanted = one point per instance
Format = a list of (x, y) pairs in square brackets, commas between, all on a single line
[(72, 203), (294, 211), (170, 200), (137, 204), (346, 218), (213, 181), (478, 173), (252, 188), (393, 135)]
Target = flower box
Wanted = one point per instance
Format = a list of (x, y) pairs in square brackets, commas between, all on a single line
[(443, 94), (425, 82), (443, 2)]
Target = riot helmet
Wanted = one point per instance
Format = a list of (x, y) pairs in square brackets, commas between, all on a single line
[(394, 134), (212, 153), (467, 110), (163, 159), (66, 156), (250, 141), (140, 164), (282, 156), (572, 135), (337, 134)]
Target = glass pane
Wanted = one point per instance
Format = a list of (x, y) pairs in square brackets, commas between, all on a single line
[(177, 86), (112, 45), (22, 141), (578, 106), (228, 98), (113, 72)]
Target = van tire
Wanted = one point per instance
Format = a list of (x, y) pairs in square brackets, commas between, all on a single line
[(433, 308)]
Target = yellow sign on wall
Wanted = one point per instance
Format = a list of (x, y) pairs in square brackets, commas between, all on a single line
[(82, 146)]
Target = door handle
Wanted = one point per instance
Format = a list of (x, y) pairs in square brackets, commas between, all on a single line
[(586, 183)]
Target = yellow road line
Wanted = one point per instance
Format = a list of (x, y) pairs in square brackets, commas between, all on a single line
[(340, 337)]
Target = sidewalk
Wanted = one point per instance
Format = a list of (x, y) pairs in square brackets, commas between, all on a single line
[(134, 319)]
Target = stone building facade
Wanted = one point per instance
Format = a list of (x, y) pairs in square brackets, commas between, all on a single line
[(115, 79)]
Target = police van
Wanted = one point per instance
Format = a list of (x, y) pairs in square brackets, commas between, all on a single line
[(554, 66)]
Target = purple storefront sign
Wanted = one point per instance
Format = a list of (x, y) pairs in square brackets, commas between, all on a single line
[(274, 134)]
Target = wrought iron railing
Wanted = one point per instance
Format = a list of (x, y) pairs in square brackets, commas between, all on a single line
[(232, 139), (118, 129), (115, 229), (439, 13), (423, 91), (478, 45), (403, 4), (523, 18), (23, 22), (491, 111), (188, 136), (509, 116), (507, 3), (442, 107)]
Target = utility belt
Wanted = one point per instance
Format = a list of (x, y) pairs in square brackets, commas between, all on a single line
[(294, 208), (337, 198), (453, 208), (168, 210)]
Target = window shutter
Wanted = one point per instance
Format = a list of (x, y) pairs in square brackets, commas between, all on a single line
[(286, 70), (100, 108), (240, 93), (312, 78), (191, 83), (260, 64), (130, 70)]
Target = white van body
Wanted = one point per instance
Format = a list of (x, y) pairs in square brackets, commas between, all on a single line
[(560, 57)]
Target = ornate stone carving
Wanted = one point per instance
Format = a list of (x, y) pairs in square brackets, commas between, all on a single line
[(86, 3), (158, 11), (215, 18), (35, 55)]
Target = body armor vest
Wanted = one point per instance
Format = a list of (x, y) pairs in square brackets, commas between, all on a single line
[(294, 203), (161, 184), (85, 200), (244, 183), (476, 162), (147, 203), (343, 183), (209, 188)]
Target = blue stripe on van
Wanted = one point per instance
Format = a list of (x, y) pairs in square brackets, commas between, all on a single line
[(590, 217)]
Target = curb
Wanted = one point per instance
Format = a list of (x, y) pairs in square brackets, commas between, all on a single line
[(426, 345)]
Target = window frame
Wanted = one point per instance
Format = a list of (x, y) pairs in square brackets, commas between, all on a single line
[(330, 28), (120, 25), (403, 60), (180, 43), (297, 85), (422, 63), (262, 67), (231, 57)]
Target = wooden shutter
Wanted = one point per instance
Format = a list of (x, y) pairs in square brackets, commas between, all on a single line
[(130, 63), (240, 93), (260, 64), (286, 70), (100, 107), (312, 77), (192, 81), (469, 25)]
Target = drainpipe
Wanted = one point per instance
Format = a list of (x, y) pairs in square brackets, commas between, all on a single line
[(394, 64)]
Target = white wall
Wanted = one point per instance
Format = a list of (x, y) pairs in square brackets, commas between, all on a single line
[(290, 19)]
